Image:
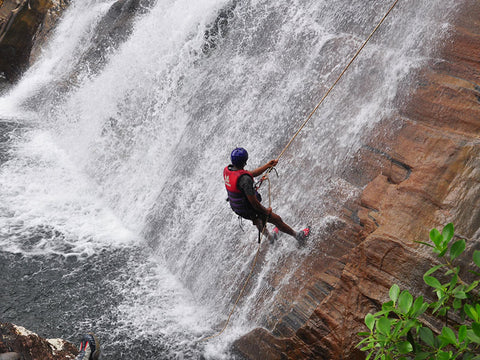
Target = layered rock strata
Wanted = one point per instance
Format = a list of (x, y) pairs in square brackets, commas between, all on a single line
[(420, 170)]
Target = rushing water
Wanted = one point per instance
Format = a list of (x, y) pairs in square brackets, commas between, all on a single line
[(112, 207)]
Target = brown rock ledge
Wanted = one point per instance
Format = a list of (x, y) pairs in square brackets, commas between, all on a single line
[(18, 343), (424, 174)]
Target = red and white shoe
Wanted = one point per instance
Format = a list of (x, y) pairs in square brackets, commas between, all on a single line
[(89, 348), (273, 235), (302, 235)]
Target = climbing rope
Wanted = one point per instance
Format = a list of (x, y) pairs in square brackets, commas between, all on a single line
[(265, 177), (251, 271), (336, 81)]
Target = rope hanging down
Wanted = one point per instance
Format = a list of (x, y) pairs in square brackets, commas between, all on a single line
[(249, 275), (265, 177)]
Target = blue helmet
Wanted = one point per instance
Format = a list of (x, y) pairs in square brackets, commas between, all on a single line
[(239, 157)]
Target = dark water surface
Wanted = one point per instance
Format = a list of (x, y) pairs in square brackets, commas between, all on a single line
[(63, 296), (60, 297)]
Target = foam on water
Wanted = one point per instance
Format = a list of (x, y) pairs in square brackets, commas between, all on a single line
[(43, 191)]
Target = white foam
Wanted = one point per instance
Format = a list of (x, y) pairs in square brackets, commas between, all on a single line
[(59, 57), (42, 191)]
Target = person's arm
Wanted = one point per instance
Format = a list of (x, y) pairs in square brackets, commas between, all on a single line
[(263, 168), (245, 183)]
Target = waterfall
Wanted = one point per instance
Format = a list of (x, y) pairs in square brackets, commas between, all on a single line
[(115, 145)]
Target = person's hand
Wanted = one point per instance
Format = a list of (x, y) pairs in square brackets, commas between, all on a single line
[(269, 211), (272, 163)]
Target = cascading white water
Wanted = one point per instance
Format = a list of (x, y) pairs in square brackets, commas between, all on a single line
[(130, 154)]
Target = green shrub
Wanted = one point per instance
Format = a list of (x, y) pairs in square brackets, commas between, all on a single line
[(399, 330)]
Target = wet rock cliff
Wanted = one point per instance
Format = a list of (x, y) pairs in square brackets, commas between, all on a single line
[(23, 25), (419, 170)]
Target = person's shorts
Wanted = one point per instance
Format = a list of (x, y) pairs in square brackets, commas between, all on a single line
[(253, 215)]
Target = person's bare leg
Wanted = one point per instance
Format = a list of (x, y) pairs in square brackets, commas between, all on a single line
[(278, 222)]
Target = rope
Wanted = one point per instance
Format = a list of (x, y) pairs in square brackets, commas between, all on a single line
[(336, 81), (265, 177), (249, 275)]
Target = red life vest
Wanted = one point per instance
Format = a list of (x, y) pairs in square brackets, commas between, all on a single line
[(231, 177), (238, 201)]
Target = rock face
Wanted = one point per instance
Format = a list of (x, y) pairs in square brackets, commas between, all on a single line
[(19, 343), (21, 22), (422, 174)]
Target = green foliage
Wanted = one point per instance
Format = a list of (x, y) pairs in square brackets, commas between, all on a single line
[(399, 330)]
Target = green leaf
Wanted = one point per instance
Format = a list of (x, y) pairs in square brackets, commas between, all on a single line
[(433, 269), (436, 237), (460, 295), (394, 292), (462, 333), (404, 347), (448, 335), (457, 249), (405, 301), (407, 325), (457, 304), (476, 257), (424, 308), (423, 356), (370, 321), (383, 325), (397, 325), (387, 307), (454, 282), (427, 336), (473, 337), (471, 312), (472, 286), (476, 328), (417, 305), (447, 232), (442, 355), (432, 281), (438, 305), (411, 340), (381, 313)]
